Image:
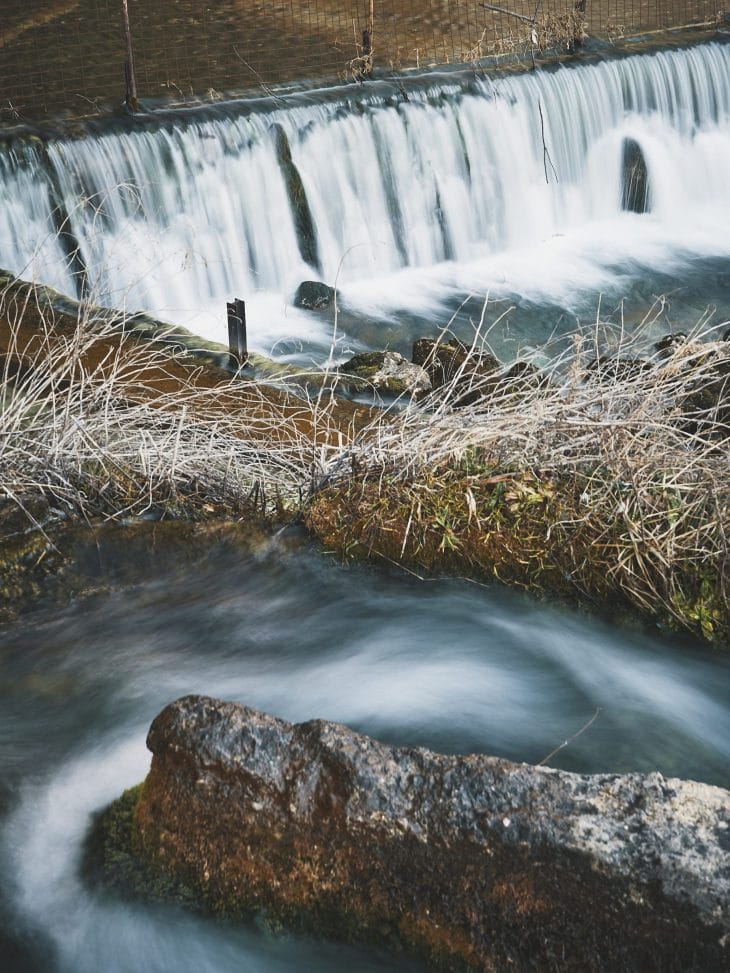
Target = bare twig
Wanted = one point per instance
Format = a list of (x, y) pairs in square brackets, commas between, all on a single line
[(508, 13), (545, 152), (565, 743)]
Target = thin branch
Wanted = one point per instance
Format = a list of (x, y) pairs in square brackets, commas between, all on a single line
[(545, 152), (509, 13), (565, 743)]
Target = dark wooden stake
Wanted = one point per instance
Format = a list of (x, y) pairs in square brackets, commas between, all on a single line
[(237, 343), (130, 98)]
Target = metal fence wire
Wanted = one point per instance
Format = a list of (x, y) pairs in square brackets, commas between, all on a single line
[(66, 57)]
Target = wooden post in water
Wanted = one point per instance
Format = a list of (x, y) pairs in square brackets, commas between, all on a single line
[(237, 343), (130, 98)]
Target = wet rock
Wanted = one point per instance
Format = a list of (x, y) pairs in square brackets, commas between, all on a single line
[(303, 221), (313, 294), (635, 186), (451, 361), (472, 375), (610, 368), (23, 515), (48, 558), (523, 375), (704, 404), (386, 371), (707, 407), (441, 359), (669, 342), (471, 862)]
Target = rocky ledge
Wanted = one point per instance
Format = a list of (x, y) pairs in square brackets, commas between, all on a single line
[(470, 862)]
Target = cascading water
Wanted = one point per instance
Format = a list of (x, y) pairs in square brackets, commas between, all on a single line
[(514, 186)]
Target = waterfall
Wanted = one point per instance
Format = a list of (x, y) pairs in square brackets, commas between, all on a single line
[(179, 218)]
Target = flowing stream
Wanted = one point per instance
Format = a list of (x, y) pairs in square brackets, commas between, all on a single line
[(452, 666), (418, 195)]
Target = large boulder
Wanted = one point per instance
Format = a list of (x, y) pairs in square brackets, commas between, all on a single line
[(385, 372), (471, 862)]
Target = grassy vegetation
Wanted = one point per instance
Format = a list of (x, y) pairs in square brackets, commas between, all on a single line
[(606, 478), (610, 482)]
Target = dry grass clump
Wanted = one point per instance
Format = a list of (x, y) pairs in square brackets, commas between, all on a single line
[(545, 33), (107, 426), (609, 481)]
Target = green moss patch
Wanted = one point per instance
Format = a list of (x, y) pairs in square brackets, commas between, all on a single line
[(114, 859)]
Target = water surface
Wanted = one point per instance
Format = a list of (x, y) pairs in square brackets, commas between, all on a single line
[(445, 664)]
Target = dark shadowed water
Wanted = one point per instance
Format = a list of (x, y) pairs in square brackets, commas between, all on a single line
[(445, 664)]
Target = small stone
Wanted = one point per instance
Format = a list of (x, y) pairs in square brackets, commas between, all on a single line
[(314, 295), (388, 372)]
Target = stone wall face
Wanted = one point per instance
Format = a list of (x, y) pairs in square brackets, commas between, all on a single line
[(67, 56), (469, 862)]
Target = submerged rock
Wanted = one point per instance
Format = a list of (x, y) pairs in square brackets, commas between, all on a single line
[(471, 862), (313, 294), (386, 371)]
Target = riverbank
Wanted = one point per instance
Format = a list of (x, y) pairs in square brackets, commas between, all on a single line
[(602, 480), (116, 416)]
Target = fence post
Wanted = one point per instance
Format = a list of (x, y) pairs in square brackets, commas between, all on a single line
[(367, 41), (130, 98), (237, 341)]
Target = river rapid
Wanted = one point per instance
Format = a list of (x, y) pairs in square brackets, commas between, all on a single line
[(444, 664)]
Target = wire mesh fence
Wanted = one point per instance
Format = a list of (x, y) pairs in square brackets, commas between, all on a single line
[(67, 56)]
